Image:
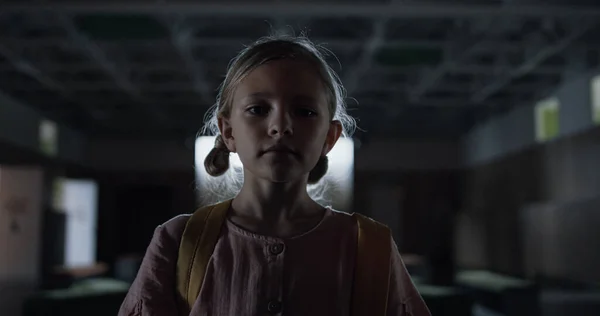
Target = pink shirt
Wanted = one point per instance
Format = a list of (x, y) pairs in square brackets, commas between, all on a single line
[(250, 274)]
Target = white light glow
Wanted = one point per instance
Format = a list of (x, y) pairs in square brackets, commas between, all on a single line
[(204, 144), (338, 180), (78, 200)]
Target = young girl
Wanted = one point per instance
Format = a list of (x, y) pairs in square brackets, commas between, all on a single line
[(277, 251)]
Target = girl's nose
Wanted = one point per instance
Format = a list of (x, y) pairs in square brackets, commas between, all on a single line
[(281, 124)]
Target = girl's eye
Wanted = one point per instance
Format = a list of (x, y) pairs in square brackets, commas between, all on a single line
[(258, 110), (306, 112)]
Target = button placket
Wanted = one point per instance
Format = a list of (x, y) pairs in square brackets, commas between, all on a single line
[(275, 252)]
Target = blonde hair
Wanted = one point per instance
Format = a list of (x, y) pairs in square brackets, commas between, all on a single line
[(259, 53)]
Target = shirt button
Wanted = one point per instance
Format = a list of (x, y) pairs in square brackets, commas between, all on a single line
[(276, 249), (274, 307)]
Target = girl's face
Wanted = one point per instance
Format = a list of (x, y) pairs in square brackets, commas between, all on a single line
[(279, 121)]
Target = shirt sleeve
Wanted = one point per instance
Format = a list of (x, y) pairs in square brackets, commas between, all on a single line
[(153, 292), (403, 297)]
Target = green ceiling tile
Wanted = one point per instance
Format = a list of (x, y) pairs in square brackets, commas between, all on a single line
[(408, 56), (120, 27)]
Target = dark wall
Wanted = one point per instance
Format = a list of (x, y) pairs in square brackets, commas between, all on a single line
[(427, 201), (561, 241), (420, 207), (499, 215), (493, 197)]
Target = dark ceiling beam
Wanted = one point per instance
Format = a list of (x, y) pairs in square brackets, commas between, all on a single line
[(118, 74), (178, 88), (27, 68), (456, 52), (265, 9), (471, 69), (460, 69), (335, 43), (180, 37), (369, 49), (442, 102), (234, 42), (96, 54), (531, 63)]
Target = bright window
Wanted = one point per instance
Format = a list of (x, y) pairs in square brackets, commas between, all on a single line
[(78, 200), (48, 138), (547, 119)]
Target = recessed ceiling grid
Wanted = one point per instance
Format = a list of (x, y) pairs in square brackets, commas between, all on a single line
[(148, 68)]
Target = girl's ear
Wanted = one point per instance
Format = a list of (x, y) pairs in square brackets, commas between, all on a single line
[(333, 134), (226, 133)]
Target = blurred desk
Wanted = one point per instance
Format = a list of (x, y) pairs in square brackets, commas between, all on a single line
[(62, 277), (416, 266), (87, 297), (500, 293), (442, 301)]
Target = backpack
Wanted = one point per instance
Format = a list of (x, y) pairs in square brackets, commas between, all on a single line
[(371, 276)]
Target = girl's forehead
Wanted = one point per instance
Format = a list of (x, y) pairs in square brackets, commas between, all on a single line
[(282, 77)]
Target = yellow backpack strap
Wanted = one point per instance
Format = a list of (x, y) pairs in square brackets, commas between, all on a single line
[(197, 245), (372, 270)]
